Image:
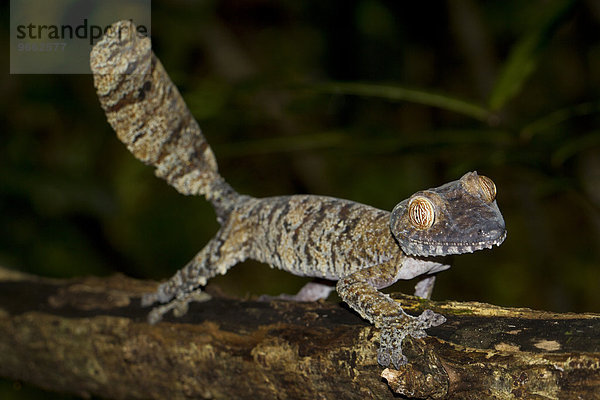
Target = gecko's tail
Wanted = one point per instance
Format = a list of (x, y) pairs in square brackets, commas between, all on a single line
[(149, 115)]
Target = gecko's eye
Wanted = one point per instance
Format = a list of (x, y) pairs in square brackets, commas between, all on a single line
[(421, 212), (488, 188)]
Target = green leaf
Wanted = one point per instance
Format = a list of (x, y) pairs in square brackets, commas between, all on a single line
[(558, 117), (398, 93), (574, 146), (524, 56)]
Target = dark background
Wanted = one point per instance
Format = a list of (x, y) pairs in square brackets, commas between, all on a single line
[(507, 88)]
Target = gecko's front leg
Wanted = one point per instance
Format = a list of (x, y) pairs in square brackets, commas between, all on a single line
[(360, 291)]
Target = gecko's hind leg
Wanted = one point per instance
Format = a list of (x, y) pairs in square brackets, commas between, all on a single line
[(424, 287), (312, 291), (221, 253)]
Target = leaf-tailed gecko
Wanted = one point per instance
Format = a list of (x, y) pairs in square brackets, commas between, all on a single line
[(361, 247)]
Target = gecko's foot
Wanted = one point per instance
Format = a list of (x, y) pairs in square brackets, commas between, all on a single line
[(396, 329), (179, 306)]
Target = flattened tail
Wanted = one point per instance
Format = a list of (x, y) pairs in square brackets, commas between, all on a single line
[(149, 115)]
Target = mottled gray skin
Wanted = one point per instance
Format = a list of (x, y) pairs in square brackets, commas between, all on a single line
[(363, 248)]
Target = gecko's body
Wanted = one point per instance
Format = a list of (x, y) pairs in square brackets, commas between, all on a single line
[(363, 248)]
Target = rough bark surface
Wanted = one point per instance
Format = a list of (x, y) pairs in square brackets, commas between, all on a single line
[(90, 337)]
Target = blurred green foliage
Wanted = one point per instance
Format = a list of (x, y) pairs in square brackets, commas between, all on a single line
[(368, 100)]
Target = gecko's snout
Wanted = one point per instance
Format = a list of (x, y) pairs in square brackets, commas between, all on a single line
[(491, 235), (498, 236)]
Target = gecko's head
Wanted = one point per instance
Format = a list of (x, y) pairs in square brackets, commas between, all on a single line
[(455, 218)]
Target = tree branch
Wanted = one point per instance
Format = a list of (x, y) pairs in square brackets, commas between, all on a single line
[(89, 336)]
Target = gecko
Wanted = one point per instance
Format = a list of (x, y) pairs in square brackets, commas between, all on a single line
[(363, 248)]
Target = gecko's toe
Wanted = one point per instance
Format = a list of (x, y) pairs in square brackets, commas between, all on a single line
[(181, 308), (398, 359), (383, 357), (428, 319), (387, 357), (148, 299), (390, 346), (394, 332), (154, 316)]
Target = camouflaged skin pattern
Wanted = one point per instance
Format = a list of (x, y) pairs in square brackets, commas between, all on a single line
[(306, 235), (149, 115)]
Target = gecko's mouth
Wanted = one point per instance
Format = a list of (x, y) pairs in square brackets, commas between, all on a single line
[(417, 247)]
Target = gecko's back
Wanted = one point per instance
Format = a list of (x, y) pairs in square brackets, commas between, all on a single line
[(316, 236)]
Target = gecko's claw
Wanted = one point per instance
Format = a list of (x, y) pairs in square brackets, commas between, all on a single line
[(395, 330)]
